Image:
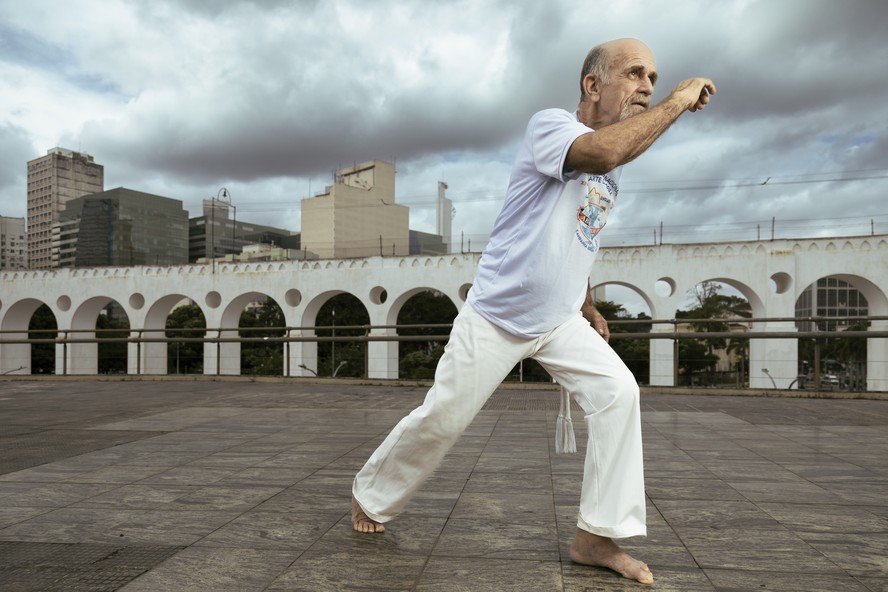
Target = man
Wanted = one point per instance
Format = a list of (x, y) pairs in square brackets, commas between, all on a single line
[(525, 302)]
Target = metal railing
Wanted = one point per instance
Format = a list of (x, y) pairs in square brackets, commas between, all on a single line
[(382, 333)]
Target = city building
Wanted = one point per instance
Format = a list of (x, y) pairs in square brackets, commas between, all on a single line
[(218, 233), (425, 243), (357, 216), (13, 243), (444, 213), (261, 252), (53, 181), (830, 298), (122, 227)]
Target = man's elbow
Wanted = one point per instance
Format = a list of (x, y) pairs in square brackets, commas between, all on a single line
[(601, 164), (593, 164)]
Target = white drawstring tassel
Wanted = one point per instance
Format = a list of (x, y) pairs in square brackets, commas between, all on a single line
[(565, 441)]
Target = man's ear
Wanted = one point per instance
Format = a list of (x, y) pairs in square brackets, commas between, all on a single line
[(591, 87)]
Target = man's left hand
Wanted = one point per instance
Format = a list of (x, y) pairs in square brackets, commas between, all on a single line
[(598, 322)]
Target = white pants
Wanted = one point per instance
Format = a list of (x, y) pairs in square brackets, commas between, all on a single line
[(476, 359)]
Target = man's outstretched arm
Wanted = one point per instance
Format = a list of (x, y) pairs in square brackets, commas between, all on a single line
[(621, 142)]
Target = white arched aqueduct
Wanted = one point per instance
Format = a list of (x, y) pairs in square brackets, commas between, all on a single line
[(770, 274)]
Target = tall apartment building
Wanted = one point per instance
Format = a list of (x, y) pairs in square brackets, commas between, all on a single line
[(53, 181), (357, 216), (13, 245)]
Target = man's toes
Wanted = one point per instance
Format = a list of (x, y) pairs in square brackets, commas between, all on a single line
[(645, 576), (365, 525)]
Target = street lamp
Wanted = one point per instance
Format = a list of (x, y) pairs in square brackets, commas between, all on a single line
[(224, 196)]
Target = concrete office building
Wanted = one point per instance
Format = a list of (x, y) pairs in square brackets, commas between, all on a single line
[(122, 227), (13, 243), (357, 216), (218, 234), (53, 181)]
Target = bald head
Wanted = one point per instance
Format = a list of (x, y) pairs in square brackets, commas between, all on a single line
[(601, 58)]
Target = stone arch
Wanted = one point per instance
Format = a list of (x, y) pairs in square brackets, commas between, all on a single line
[(851, 363), (636, 290), (84, 358), (876, 298), (396, 304), (152, 357), (229, 353), (319, 358), (430, 307), (756, 302), (15, 358)]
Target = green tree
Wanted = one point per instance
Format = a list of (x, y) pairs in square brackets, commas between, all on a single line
[(420, 365), (418, 359), (264, 321), (185, 357), (694, 358), (43, 326), (713, 310), (112, 324), (344, 358), (635, 353)]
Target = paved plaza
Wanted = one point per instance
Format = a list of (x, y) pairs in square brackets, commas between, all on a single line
[(148, 486)]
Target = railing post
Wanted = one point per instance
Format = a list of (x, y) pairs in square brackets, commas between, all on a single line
[(65, 354)]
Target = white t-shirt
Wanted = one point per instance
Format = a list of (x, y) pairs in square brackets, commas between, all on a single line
[(534, 272)]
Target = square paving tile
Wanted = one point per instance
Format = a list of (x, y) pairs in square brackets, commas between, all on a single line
[(199, 569)]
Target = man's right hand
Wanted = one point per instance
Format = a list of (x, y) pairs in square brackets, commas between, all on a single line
[(694, 92)]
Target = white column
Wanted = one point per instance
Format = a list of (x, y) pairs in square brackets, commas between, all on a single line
[(877, 359), (774, 363), (662, 362), (382, 356)]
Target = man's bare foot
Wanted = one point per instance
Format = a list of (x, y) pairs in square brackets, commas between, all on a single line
[(591, 549), (361, 522)]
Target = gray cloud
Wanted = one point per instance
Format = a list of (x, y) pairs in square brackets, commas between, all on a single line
[(182, 97)]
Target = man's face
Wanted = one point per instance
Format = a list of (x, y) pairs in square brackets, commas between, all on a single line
[(633, 74)]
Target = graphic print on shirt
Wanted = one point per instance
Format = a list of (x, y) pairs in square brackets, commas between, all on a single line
[(601, 193)]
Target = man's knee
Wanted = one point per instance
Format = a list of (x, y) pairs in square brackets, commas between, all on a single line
[(620, 390), (442, 423)]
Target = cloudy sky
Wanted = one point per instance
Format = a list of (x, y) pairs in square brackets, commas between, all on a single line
[(266, 98)]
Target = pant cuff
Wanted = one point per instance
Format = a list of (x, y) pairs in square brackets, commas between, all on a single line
[(612, 532)]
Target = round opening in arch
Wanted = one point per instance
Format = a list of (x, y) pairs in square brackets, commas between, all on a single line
[(665, 287), (213, 299), (137, 301), (293, 297), (781, 283), (378, 295), (64, 303)]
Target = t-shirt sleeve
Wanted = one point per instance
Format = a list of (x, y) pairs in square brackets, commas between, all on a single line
[(551, 134)]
